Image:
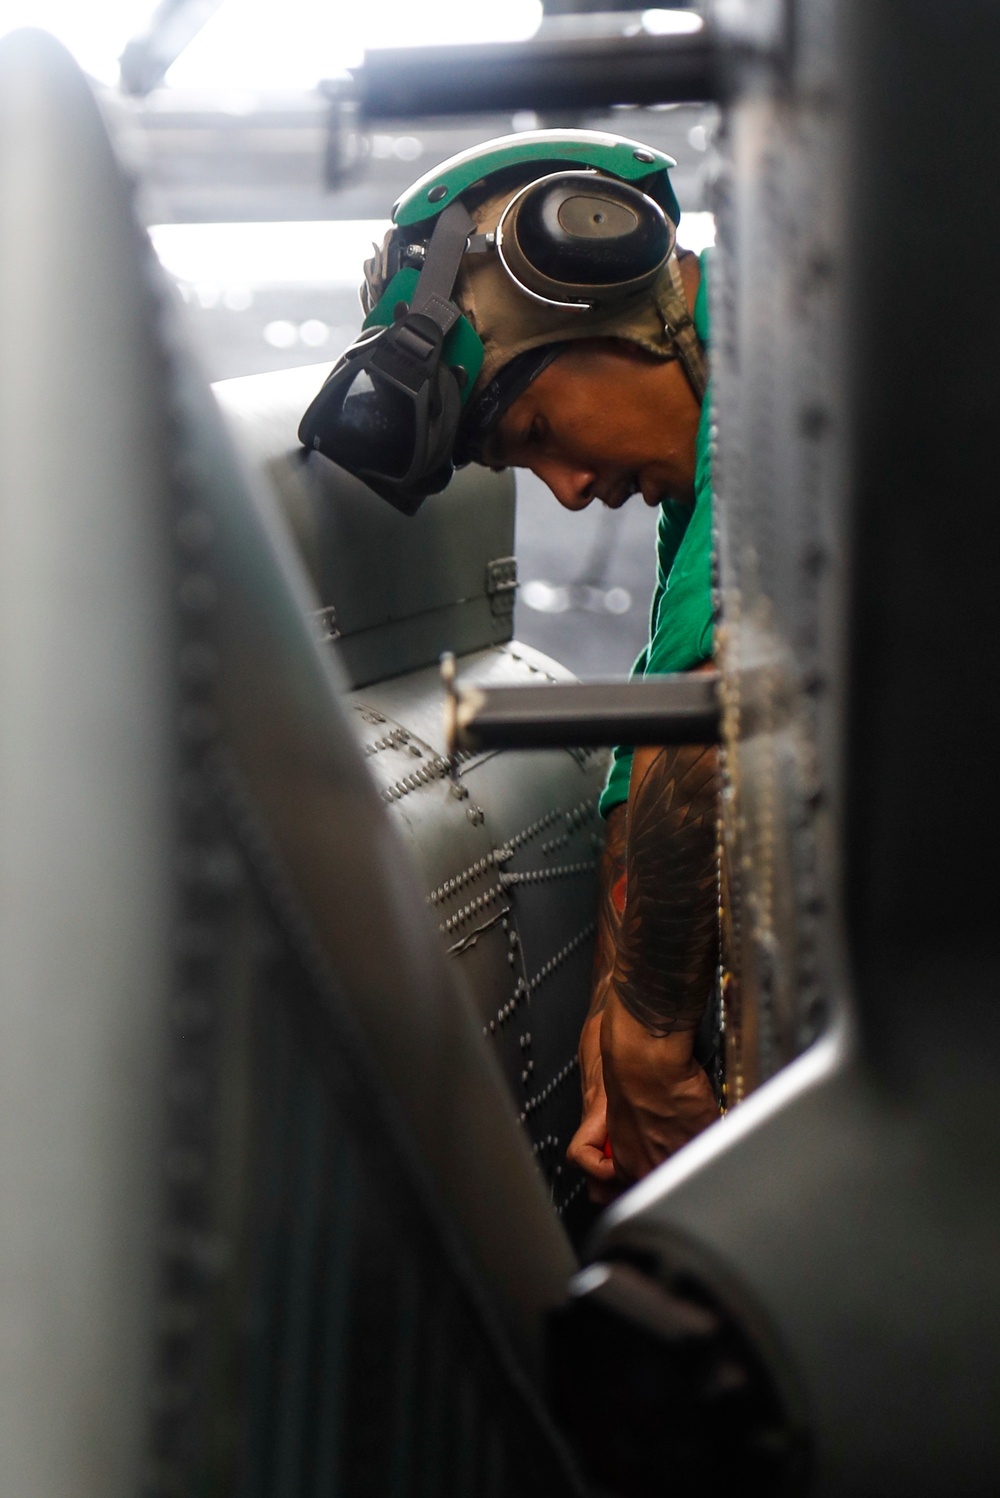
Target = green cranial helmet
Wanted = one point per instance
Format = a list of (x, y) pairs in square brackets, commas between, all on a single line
[(495, 261), (536, 153)]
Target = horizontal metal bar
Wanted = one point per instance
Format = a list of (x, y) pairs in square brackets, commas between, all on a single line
[(547, 74), (681, 709)]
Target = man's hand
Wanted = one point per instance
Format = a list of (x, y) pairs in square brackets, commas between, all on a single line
[(586, 1148), (657, 1096)]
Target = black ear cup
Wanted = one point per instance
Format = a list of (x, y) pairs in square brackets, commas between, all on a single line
[(580, 239)]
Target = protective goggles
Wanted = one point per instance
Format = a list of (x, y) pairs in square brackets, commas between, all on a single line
[(390, 410)]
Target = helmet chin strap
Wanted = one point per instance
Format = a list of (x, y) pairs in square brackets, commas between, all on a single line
[(436, 282), (671, 303)]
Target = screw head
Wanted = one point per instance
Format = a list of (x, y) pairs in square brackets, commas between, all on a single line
[(440, 191), (646, 157)]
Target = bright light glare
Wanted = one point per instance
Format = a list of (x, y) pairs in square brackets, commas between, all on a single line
[(211, 257), (272, 44), (670, 22), (545, 598), (260, 44), (697, 231), (95, 33), (327, 253)]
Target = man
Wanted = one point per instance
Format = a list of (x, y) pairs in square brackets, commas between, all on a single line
[(530, 308)]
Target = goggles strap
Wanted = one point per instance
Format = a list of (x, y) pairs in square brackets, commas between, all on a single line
[(448, 243), (672, 306)]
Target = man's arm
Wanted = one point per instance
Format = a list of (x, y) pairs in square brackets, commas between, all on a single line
[(657, 1095), (587, 1146), (667, 943)]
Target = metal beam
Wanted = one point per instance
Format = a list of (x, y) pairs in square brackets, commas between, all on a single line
[(548, 74), (681, 709)]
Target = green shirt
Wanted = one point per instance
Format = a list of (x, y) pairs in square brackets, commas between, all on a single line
[(680, 622)]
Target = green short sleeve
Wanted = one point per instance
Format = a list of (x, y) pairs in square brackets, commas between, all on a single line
[(681, 619)]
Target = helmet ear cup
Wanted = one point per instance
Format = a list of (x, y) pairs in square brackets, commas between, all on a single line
[(582, 239)]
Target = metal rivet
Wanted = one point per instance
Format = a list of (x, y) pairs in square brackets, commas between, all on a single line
[(440, 191), (646, 157)]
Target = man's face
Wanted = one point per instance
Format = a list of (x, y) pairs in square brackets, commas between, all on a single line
[(604, 421)]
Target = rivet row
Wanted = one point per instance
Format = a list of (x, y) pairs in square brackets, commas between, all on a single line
[(506, 1010), (540, 876), (536, 1102), (558, 958), (468, 911), (535, 670), (449, 887), (394, 739), (475, 871), (527, 833), (542, 1146), (434, 769), (570, 1197)]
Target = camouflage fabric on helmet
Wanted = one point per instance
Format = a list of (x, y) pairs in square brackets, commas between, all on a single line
[(510, 323)]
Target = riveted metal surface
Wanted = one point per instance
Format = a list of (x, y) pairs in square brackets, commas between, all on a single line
[(507, 850)]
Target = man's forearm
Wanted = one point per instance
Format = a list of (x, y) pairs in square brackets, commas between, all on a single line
[(610, 909), (667, 940)]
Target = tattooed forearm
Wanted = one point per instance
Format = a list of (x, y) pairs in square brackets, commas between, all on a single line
[(666, 950), (611, 905)]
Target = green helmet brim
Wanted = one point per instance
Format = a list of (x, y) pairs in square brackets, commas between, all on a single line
[(628, 160)]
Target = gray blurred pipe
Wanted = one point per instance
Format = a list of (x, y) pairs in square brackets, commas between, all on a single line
[(544, 74)]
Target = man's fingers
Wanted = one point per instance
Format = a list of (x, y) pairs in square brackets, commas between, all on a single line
[(602, 1186), (586, 1148), (591, 1160), (586, 1151)]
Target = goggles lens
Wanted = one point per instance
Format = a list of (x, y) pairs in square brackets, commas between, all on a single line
[(389, 412), (375, 430), (363, 421)]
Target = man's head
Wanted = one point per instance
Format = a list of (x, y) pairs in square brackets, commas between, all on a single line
[(603, 421), (501, 263)]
